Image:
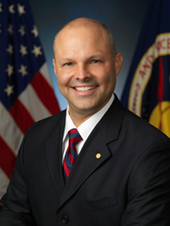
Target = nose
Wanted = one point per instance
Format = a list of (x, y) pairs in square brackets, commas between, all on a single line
[(82, 73)]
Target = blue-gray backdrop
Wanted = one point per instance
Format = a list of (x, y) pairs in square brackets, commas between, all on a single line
[(123, 17)]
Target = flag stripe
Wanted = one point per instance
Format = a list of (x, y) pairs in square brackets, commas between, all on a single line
[(161, 81), (8, 158), (4, 182), (20, 113), (9, 130), (33, 104), (45, 93), (45, 73)]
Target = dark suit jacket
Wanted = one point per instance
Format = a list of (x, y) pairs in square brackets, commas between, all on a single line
[(129, 185)]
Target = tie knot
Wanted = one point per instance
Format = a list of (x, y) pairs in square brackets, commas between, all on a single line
[(74, 137)]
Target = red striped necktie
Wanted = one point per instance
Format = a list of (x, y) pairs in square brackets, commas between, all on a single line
[(71, 153)]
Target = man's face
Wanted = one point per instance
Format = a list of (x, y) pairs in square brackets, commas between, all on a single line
[(85, 69)]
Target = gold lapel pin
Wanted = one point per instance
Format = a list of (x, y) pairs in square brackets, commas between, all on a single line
[(98, 155)]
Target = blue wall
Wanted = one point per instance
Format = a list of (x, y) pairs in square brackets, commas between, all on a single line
[(124, 18)]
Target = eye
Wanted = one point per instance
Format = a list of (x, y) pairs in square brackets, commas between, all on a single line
[(68, 64), (95, 61)]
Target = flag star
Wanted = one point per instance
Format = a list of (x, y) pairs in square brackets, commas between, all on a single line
[(11, 9), (9, 90), (10, 29), (22, 70), (37, 50), (9, 70), (35, 31), (0, 7), (21, 30), (23, 50), (10, 49), (21, 9)]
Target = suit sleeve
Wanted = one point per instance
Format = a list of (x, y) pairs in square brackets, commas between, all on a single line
[(148, 194), (15, 207)]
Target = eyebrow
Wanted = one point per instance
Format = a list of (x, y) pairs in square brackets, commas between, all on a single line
[(96, 55), (65, 59)]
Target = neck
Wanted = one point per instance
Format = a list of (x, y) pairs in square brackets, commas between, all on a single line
[(78, 119), (80, 116)]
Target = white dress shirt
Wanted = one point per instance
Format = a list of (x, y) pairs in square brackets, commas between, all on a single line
[(84, 129)]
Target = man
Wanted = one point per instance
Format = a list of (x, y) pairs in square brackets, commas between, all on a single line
[(122, 172)]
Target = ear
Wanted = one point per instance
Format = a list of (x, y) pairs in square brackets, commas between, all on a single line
[(54, 64), (118, 62)]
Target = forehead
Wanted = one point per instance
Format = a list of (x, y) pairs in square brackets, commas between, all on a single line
[(84, 35)]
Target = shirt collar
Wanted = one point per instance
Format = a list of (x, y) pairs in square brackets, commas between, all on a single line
[(86, 127)]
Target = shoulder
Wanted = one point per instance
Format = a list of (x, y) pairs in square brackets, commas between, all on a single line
[(133, 131), (49, 120), (45, 127), (141, 129), (143, 142), (122, 124)]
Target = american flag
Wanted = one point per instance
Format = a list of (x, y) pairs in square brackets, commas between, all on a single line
[(26, 92)]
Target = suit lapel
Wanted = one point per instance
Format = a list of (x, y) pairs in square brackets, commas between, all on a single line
[(54, 155), (87, 162), (111, 123)]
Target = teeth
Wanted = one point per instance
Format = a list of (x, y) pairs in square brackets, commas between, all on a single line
[(83, 88)]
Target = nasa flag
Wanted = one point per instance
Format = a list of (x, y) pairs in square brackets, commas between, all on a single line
[(147, 89)]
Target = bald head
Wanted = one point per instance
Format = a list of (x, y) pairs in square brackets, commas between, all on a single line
[(89, 23)]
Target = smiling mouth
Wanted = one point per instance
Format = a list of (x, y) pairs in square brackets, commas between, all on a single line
[(84, 88)]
